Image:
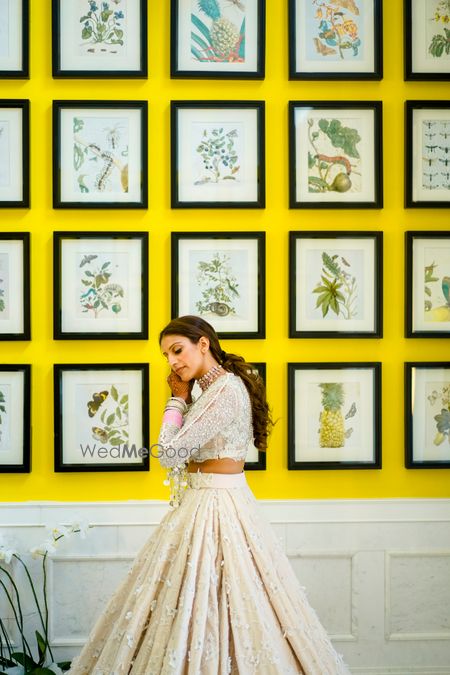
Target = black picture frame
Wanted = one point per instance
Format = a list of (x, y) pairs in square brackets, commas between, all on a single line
[(426, 127), (259, 464), (343, 298), (18, 395), (16, 112), (111, 286), (200, 41), (416, 49), (373, 69), (116, 34), (182, 276), (365, 409), (77, 430), (419, 322), (132, 174), (188, 186), (21, 69), (15, 285), (331, 190), (423, 431)]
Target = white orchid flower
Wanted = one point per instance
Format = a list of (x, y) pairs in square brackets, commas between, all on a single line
[(46, 547), (57, 530), (6, 554), (81, 526)]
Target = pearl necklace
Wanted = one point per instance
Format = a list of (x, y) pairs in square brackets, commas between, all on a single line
[(210, 376)]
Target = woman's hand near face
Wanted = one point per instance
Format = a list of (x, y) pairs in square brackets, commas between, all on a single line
[(179, 387)]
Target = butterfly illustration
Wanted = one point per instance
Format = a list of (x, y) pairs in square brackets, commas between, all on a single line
[(87, 259), (97, 400), (351, 412), (323, 49), (100, 434)]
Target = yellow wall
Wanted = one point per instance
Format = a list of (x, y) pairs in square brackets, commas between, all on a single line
[(41, 220)]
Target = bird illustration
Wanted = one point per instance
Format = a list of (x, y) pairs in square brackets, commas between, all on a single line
[(87, 259), (232, 288)]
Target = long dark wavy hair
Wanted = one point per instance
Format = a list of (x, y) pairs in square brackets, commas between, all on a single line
[(193, 328)]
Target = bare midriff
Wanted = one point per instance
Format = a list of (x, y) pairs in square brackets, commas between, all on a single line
[(224, 465)]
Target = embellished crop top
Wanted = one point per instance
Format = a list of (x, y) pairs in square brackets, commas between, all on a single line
[(217, 425)]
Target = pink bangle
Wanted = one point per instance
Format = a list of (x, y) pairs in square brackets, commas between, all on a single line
[(173, 417)]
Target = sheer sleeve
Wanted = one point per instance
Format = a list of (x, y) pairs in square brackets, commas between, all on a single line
[(214, 410)]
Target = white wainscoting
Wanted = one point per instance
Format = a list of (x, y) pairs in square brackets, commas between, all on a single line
[(377, 571)]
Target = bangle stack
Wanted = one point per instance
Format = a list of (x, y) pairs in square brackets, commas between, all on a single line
[(176, 403), (174, 411)]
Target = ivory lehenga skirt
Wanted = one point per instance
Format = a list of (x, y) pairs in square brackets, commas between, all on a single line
[(210, 593)]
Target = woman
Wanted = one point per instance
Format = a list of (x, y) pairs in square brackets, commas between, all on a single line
[(211, 592)]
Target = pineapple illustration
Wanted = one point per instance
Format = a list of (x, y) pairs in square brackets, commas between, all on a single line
[(332, 432), (224, 35)]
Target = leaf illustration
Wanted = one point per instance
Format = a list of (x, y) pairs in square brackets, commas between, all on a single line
[(341, 137), (201, 43), (242, 45), (443, 421), (318, 183), (114, 393), (198, 23)]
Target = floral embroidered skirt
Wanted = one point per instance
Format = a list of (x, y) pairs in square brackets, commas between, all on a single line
[(210, 593)]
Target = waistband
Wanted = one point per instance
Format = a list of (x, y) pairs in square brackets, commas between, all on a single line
[(200, 480)]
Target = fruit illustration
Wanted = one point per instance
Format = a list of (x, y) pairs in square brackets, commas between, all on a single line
[(221, 40), (332, 432), (224, 36), (341, 183)]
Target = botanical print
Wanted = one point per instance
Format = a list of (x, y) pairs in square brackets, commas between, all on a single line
[(333, 431), (100, 294), (335, 29), (338, 290), (218, 31), (100, 154), (5, 167), (107, 410), (436, 154), (4, 29), (329, 171), (4, 279), (219, 286), (438, 28), (437, 285), (438, 422), (218, 153), (5, 415), (102, 27)]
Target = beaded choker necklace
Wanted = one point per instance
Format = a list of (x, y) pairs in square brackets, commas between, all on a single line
[(208, 378)]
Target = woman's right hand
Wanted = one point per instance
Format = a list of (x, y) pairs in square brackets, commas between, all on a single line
[(180, 388)]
